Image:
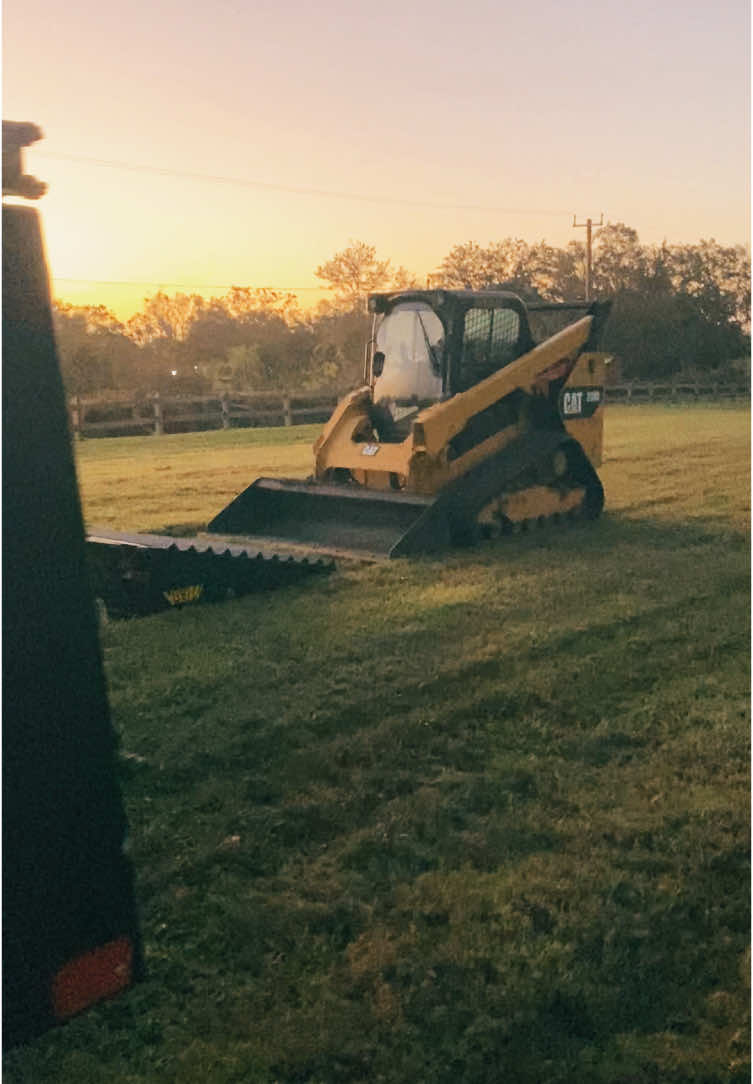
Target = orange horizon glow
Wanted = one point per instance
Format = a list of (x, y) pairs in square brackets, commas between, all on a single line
[(249, 144), (125, 300)]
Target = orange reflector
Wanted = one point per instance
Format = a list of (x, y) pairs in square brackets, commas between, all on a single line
[(97, 974)]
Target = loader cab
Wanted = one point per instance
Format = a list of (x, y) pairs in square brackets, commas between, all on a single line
[(407, 369), (431, 344), (408, 361)]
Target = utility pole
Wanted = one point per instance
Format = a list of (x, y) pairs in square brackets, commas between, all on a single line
[(589, 224)]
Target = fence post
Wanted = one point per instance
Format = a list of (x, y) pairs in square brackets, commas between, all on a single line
[(225, 409), (76, 417), (287, 413), (159, 427)]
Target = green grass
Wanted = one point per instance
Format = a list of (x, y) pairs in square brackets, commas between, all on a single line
[(476, 819), (182, 481)]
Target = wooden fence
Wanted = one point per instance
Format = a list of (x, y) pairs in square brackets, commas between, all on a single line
[(647, 391), (158, 414), (162, 414)]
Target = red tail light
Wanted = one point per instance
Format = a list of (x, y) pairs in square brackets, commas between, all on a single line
[(91, 977)]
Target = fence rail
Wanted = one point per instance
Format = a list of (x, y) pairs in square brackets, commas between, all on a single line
[(646, 391), (157, 414)]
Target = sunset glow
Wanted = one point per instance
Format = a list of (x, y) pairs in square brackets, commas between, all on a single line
[(247, 144)]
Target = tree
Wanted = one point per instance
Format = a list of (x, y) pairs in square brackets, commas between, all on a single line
[(620, 262), (716, 277), (95, 353), (255, 338), (212, 334), (243, 317), (674, 307), (464, 268), (354, 273), (341, 338), (534, 272), (403, 279), (248, 305), (161, 330), (165, 319), (341, 325)]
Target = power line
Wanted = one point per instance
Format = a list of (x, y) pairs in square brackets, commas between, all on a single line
[(180, 285), (245, 182)]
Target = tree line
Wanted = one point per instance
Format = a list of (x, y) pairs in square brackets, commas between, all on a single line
[(677, 309)]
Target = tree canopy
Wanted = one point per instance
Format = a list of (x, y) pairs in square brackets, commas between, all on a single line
[(355, 272), (677, 308)]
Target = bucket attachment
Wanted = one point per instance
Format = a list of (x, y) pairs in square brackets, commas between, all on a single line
[(350, 520), (332, 518)]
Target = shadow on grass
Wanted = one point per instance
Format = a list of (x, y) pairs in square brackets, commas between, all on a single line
[(467, 772), (370, 752), (618, 528)]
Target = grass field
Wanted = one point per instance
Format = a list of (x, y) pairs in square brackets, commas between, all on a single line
[(480, 819), (179, 482)]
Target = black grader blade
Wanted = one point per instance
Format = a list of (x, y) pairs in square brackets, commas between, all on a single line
[(139, 574)]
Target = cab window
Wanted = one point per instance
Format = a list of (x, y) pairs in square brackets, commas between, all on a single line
[(490, 341), (411, 337), (504, 337)]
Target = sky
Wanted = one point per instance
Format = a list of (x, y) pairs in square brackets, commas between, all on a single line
[(244, 142)]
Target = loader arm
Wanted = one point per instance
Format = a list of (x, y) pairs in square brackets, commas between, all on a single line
[(532, 374)]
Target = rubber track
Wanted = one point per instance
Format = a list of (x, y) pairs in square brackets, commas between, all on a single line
[(451, 519)]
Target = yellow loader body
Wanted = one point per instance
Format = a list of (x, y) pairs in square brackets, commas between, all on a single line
[(395, 475)]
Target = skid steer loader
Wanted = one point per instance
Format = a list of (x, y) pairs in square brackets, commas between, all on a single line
[(464, 427)]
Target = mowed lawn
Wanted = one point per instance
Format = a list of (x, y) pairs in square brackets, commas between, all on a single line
[(180, 482), (475, 819)]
